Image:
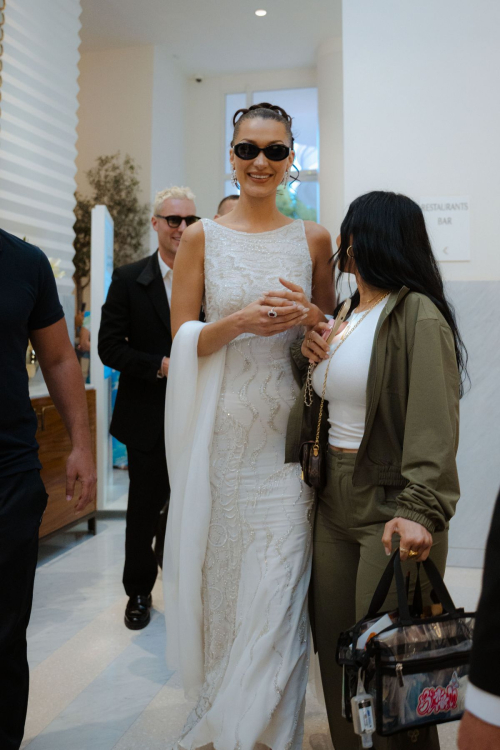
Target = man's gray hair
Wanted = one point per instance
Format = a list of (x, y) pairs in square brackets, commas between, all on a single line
[(172, 192)]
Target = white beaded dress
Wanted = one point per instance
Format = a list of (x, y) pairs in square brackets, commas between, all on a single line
[(258, 555)]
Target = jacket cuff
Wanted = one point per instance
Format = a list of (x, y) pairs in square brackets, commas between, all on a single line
[(414, 515), (297, 356), (483, 705)]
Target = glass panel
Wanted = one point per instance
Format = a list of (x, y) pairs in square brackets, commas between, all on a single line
[(299, 201), (233, 103), (302, 105)]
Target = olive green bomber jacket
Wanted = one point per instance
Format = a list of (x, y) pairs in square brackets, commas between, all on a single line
[(412, 416)]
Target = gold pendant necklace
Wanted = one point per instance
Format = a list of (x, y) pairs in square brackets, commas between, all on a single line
[(386, 294)]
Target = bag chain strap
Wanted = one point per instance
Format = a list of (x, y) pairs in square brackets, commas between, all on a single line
[(311, 368)]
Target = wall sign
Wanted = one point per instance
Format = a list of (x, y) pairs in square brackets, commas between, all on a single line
[(448, 224)]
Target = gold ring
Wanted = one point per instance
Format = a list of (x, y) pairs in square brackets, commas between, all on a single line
[(412, 553)]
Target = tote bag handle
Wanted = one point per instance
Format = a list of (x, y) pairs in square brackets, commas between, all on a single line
[(394, 569)]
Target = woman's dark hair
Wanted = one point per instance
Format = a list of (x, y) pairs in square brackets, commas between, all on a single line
[(267, 112), (392, 249)]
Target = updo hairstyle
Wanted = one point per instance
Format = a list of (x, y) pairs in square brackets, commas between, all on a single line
[(265, 111)]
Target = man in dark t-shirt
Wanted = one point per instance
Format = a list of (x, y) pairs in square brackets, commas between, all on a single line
[(30, 308)]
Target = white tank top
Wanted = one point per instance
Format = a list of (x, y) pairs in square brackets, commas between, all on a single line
[(347, 378)]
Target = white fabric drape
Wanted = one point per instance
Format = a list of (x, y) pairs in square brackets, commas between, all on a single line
[(193, 391)]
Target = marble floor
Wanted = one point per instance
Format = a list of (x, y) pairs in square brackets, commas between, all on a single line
[(96, 685)]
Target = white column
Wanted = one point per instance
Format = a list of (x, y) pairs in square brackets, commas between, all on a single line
[(102, 231), (38, 130), (331, 131)]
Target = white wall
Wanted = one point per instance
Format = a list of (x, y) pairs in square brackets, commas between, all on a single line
[(132, 100), (422, 111), (116, 109), (331, 130), (205, 126), (38, 129), (167, 126), (422, 116)]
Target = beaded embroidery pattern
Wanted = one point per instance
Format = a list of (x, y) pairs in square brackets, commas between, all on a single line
[(257, 564)]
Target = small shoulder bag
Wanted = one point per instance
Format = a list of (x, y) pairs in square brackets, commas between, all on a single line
[(311, 455)]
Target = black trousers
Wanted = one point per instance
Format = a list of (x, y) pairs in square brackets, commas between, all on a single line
[(22, 502), (149, 491)]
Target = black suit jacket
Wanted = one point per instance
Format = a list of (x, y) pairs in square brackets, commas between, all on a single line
[(485, 661), (134, 337)]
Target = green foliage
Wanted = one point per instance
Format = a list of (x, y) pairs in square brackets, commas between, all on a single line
[(115, 185), (81, 243), (293, 207)]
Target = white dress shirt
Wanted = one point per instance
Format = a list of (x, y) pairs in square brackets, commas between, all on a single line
[(167, 275)]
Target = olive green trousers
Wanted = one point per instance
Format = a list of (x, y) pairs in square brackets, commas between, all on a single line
[(348, 561)]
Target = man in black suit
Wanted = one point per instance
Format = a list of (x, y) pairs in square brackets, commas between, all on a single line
[(480, 726), (135, 339)]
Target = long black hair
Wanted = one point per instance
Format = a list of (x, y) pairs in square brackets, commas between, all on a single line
[(392, 249)]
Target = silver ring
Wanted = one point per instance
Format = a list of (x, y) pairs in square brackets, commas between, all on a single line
[(272, 313)]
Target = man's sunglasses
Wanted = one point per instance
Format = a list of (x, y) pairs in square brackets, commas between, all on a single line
[(275, 152), (175, 221)]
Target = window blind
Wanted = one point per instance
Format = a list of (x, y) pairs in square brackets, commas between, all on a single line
[(38, 125)]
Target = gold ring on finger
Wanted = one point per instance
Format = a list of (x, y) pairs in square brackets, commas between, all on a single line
[(412, 553)]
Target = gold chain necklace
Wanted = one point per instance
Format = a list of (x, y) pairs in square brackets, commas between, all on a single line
[(309, 391), (371, 300)]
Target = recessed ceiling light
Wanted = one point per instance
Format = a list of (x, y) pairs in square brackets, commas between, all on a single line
[(261, 12)]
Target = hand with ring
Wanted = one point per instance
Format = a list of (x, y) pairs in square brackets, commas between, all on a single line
[(411, 552), (415, 541), (294, 294), (314, 346), (262, 319)]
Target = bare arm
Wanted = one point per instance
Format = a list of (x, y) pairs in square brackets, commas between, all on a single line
[(64, 380), (84, 344), (320, 247), (187, 295)]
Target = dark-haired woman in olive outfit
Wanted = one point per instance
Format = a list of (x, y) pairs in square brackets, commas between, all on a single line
[(395, 374)]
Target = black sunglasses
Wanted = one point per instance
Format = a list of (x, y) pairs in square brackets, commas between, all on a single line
[(275, 152), (175, 221)]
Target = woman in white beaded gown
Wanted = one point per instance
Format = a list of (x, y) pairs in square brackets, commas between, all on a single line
[(238, 546)]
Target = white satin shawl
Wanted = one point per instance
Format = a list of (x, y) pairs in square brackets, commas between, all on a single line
[(193, 390)]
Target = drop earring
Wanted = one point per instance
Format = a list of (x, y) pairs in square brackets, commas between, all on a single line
[(284, 181), (234, 179)]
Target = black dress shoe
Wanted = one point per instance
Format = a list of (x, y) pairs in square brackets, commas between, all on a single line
[(137, 612)]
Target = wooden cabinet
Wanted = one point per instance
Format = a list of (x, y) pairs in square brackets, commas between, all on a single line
[(54, 449)]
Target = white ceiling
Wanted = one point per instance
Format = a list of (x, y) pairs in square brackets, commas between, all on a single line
[(210, 37)]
